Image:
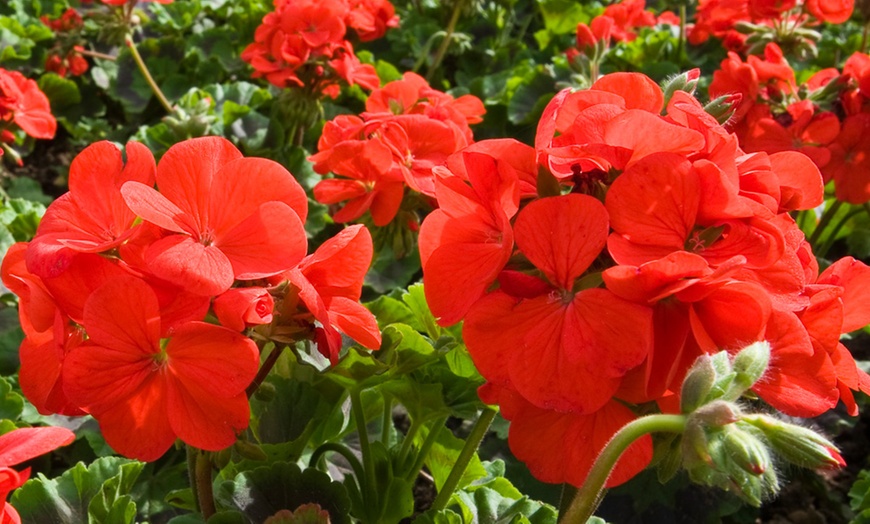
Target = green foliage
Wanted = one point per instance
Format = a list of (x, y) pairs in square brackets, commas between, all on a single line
[(98, 493), (262, 492)]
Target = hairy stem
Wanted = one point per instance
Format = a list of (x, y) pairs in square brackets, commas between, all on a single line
[(204, 488), (589, 496), (264, 370)]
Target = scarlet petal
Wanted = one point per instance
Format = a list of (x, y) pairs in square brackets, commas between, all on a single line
[(655, 202), (200, 269), (185, 173), (638, 91), (801, 182), (341, 262), (138, 427), (269, 241), (153, 207), (535, 432), (356, 321), (247, 183), (123, 314), (24, 444), (214, 359), (204, 420), (562, 235)]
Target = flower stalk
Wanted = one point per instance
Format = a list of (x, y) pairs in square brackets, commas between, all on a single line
[(147, 74)]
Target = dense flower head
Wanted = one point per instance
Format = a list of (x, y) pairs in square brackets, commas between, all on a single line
[(408, 129), (116, 286), (303, 43), (826, 117), (592, 270), (25, 106)]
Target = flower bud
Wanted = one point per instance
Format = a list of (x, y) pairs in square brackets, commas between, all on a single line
[(745, 449), (697, 384), (750, 364), (239, 308), (798, 445), (721, 108), (686, 81)]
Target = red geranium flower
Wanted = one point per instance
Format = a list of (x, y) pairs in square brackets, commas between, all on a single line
[(22, 103), (145, 393), (227, 217)]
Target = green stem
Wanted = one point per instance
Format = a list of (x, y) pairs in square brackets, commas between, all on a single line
[(827, 216), (468, 450), (341, 450), (590, 494), (407, 441), (681, 43), (387, 421), (864, 35), (148, 78), (424, 449), (204, 487), (567, 496), (264, 370), (368, 459), (191, 473), (448, 37)]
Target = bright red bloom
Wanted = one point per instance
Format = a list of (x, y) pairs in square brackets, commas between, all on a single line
[(627, 15), (92, 217), (371, 18), (145, 394), (559, 348), (467, 241), (330, 284), (22, 103), (226, 217), (239, 308), (831, 11), (850, 160), (122, 2), (20, 445)]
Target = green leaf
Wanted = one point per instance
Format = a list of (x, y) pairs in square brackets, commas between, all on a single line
[(445, 516), (530, 98), (68, 499), (488, 505), (11, 403), (20, 216), (27, 189), (416, 300), (388, 311), (262, 492), (61, 92), (11, 336), (444, 454)]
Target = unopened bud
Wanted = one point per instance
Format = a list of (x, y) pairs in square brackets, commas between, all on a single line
[(749, 365), (746, 450), (798, 445), (716, 414), (723, 107), (686, 81), (697, 384)]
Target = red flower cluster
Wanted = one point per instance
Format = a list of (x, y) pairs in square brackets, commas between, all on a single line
[(59, 61), (616, 23), (303, 43), (671, 242), (117, 281), (827, 118), (125, 2), (408, 129), (23, 105), (718, 17)]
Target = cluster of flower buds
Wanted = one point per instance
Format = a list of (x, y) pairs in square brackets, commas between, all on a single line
[(66, 56), (725, 447)]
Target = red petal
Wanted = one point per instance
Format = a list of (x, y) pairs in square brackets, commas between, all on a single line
[(638, 90), (123, 315), (205, 421), (562, 235), (241, 186), (24, 444), (535, 433), (186, 172), (339, 265), (854, 277), (355, 321), (269, 241), (199, 269), (214, 359), (153, 207), (801, 183), (138, 426)]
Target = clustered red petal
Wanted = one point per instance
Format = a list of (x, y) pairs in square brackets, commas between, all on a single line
[(407, 130), (116, 285), (826, 118), (303, 43), (592, 270), (25, 106)]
